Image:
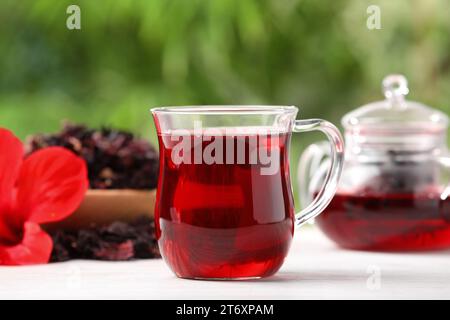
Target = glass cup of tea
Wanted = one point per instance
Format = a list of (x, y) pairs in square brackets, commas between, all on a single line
[(224, 205)]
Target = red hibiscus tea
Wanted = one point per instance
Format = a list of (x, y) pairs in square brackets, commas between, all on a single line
[(389, 221), (224, 207)]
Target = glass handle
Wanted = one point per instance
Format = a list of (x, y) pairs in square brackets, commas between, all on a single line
[(444, 162), (329, 187), (313, 166)]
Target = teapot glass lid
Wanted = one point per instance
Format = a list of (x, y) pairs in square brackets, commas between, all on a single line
[(395, 114)]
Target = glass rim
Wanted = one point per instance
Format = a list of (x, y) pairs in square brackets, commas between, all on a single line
[(225, 109)]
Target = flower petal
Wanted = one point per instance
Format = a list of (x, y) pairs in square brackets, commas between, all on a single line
[(11, 155), (51, 185), (36, 247)]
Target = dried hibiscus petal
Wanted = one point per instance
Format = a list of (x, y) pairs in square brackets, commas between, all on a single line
[(117, 241), (115, 159)]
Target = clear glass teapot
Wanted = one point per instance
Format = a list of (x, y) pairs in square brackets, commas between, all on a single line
[(393, 193)]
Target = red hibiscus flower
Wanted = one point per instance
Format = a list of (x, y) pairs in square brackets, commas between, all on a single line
[(47, 186)]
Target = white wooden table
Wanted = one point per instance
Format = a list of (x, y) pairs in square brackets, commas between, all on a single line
[(315, 269)]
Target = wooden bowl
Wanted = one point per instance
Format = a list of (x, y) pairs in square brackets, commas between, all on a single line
[(101, 207)]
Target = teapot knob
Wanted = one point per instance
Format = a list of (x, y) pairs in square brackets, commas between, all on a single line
[(395, 87)]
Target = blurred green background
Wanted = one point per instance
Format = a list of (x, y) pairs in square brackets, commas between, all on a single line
[(131, 55)]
